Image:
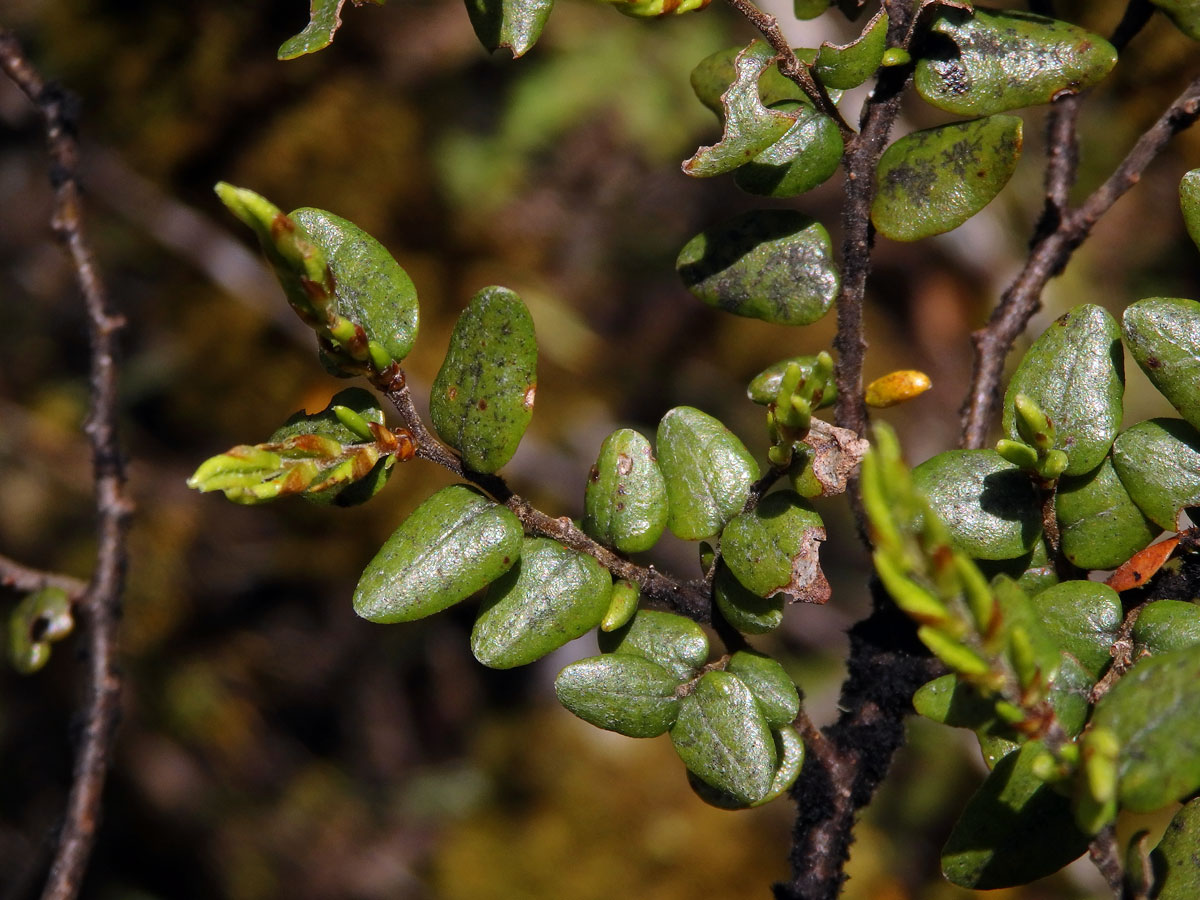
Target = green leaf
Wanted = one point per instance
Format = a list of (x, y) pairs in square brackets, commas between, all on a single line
[(806, 156), (1166, 625), (750, 127), (1189, 203), (715, 73), (1083, 618), (1075, 371), (934, 180), (773, 548), (1159, 463), (640, 9), (1033, 572), (673, 642), (708, 472), (37, 621), (994, 61), (790, 751), (764, 387), (621, 605), (849, 66), (481, 401), (513, 24), (627, 694), (743, 609), (809, 9), (1163, 334), (1014, 829), (776, 265), (324, 21), (1175, 859), (370, 288), (1099, 524), (625, 501), (723, 738), (453, 544), (1184, 13), (769, 683), (553, 595), (989, 505), (949, 701), (1153, 712)]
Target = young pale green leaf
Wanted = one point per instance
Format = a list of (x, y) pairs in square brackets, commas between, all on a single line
[(769, 683), (1153, 712), (1014, 829), (1175, 860), (708, 472), (513, 24), (934, 180), (481, 401), (1189, 203), (618, 692), (1159, 463), (989, 505), (1083, 618), (1018, 611), (1075, 372), (1163, 334), (992, 61), (750, 127), (621, 605), (949, 701), (773, 548), (764, 387), (743, 609), (1184, 13), (453, 544), (553, 595), (37, 621), (673, 642), (850, 65), (806, 156), (625, 502), (1166, 625), (1099, 524), (723, 738), (776, 265), (789, 748), (715, 73), (370, 288)]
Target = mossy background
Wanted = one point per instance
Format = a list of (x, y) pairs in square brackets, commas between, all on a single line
[(273, 745)]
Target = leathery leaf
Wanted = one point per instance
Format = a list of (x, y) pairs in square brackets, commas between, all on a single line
[(324, 21), (806, 156), (715, 73), (789, 748), (742, 608), (1083, 618), (1166, 625), (769, 683), (1184, 13), (773, 548), (1158, 461), (1175, 860), (512, 24), (673, 642), (1163, 334), (776, 265), (619, 692), (452, 545), (708, 472), (481, 401), (932, 181), (553, 595), (1189, 203), (849, 66), (992, 61), (1074, 371), (625, 501), (723, 738), (1099, 524)]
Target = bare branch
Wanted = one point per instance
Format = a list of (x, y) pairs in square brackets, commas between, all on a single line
[(27, 580)]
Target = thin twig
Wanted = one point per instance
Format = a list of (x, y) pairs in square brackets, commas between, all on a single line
[(26, 580), (101, 599), (1105, 854)]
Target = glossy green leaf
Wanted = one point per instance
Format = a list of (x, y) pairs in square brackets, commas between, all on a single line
[(993, 61), (1166, 625), (769, 683), (1075, 371), (481, 401), (750, 127), (324, 21), (932, 181), (1153, 711), (789, 749), (1014, 829), (621, 605), (1159, 463), (806, 156), (1189, 203), (743, 609), (553, 595), (1163, 334), (1083, 618), (1184, 13), (453, 544), (40, 619), (1175, 860), (949, 701), (673, 642), (723, 738), (1033, 572), (989, 505), (714, 74), (764, 387), (1099, 524), (708, 472), (370, 288), (849, 66), (773, 548), (512, 24), (776, 265), (618, 692), (625, 501)]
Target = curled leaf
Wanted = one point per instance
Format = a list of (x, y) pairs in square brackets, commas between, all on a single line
[(513, 24), (40, 619), (850, 65)]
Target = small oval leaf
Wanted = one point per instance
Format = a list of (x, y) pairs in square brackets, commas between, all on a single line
[(617, 692), (1163, 334), (1083, 618), (1099, 524), (1175, 860), (789, 748), (774, 691), (1166, 625), (773, 548), (673, 642), (513, 24), (625, 501), (806, 156), (1158, 461), (743, 609)]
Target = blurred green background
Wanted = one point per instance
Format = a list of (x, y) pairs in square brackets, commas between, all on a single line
[(273, 745)]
